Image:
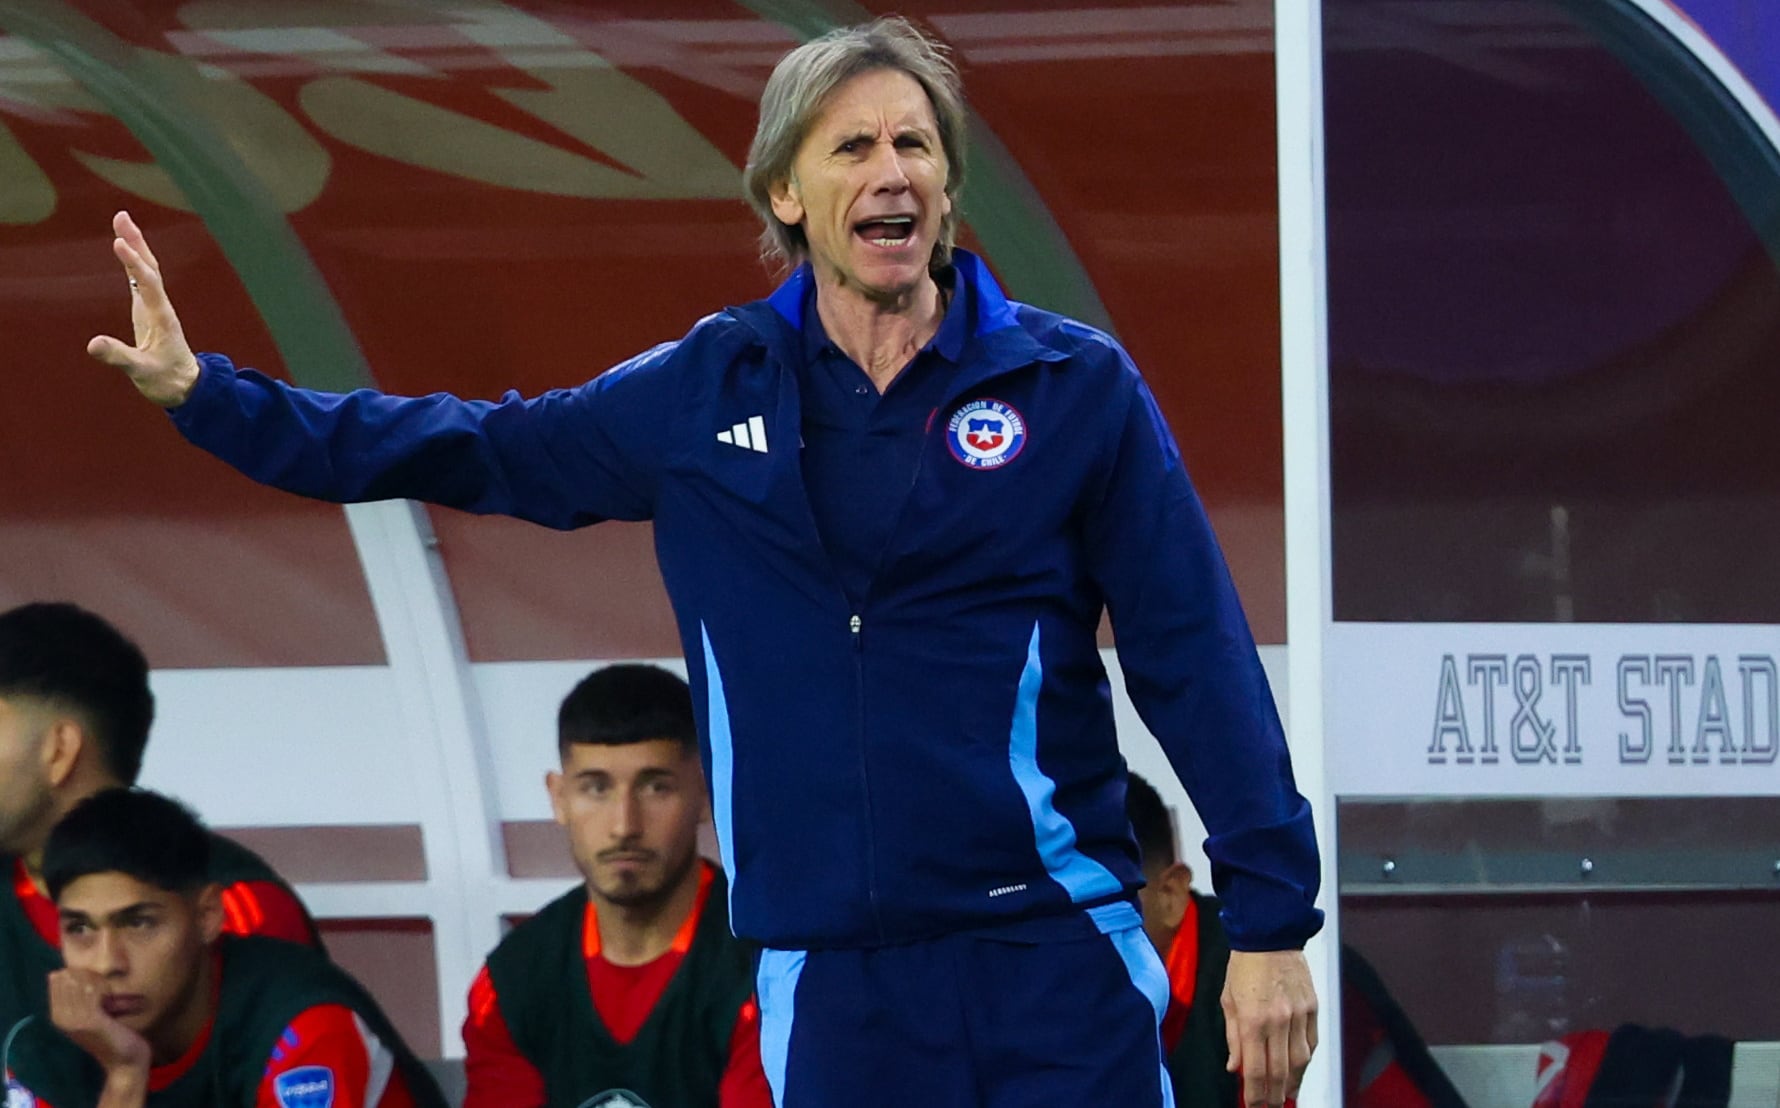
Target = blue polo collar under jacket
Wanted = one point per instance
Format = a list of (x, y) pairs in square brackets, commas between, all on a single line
[(997, 344), (947, 342)]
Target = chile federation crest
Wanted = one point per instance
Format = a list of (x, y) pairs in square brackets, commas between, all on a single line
[(985, 434)]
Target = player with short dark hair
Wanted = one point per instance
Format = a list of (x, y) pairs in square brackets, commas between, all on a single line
[(628, 991), (139, 834), (65, 657), (1184, 927), (75, 713), (157, 1008), (624, 704)]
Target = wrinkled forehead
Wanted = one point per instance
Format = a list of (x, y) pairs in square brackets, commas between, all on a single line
[(873, 100)]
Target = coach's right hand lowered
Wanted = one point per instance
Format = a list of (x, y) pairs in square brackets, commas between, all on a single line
[(160, 364), (1270, 1022)]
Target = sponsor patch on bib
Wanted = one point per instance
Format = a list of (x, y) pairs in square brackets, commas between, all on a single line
[(305, 1087)]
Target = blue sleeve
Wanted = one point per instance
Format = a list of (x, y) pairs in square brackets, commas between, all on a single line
[(1192, 672), (565, 459)]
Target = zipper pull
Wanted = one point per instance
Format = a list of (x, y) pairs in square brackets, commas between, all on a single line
[(854, 623)]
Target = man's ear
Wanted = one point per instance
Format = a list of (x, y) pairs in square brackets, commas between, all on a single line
[(787, 198), (65, 743), (553, 782), (1174, 891), (210, 913)]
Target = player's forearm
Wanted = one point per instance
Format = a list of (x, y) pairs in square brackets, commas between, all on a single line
[(496, 1074), (744, 1083), (125, 1087)]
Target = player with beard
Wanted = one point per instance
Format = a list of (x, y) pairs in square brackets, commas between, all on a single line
[(628, 991)]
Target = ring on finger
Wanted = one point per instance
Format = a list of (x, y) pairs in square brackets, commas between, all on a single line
[(134, 284)]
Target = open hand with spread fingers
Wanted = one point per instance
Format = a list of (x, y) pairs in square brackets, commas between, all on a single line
[(1270, 1009), (160, 363)]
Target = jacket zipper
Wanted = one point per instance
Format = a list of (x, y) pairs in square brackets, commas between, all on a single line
[(855, 629)]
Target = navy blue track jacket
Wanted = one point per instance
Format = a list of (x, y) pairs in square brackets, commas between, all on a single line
[(940, 756)]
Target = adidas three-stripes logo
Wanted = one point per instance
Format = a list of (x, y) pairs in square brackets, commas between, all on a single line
[(749, 436)]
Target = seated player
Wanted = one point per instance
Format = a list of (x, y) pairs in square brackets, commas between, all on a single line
[(158, 1009), (75, 710), (628, 991), (1187, 933)]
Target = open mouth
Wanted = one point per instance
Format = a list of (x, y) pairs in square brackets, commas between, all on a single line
[(891, 230)]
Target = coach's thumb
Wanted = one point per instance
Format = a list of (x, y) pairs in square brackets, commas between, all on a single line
[(106, 349)]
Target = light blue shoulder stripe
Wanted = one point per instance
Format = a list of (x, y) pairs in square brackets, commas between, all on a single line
[(722, 765), (1081, 876), (775, 983)]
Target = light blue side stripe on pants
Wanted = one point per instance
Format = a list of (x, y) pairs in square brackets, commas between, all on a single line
[(1081, 876), (1151, 980), (722, 765), (775, 984)]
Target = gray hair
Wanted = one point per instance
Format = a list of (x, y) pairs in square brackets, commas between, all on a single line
[(799, 89)]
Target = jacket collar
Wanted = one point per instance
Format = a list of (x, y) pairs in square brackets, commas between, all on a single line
[(997, 345)]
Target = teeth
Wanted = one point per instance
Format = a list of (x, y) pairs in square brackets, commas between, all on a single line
[(902, 225)]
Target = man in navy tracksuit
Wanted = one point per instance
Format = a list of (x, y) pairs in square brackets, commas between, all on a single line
[(889, 506)]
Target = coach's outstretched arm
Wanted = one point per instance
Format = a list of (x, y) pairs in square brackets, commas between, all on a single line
[(564, 459), (161, 364)]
